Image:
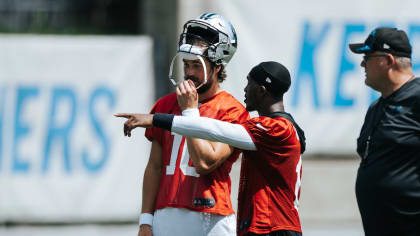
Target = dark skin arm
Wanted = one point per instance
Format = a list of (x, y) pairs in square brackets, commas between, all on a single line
[(134, 121), (205, 155)]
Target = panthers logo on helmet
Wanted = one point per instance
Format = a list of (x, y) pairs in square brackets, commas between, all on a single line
[(209, 35)]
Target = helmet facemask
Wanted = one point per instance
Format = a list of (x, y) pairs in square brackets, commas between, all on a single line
[(177, 75), (191, 47)]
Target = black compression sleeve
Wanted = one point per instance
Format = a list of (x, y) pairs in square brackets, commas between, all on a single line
[(163, 121)]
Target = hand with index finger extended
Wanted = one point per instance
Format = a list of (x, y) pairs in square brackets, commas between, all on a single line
[(124, 115), (126, 129), (135, 120)]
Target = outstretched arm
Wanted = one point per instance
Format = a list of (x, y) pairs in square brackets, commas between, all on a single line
[(206, 156), (193, 127), (213, 130)]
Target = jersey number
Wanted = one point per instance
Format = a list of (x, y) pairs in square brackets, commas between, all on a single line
[(185, 158), (298, 183)]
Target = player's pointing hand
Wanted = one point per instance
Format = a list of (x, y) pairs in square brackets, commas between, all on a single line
[(134, 121)]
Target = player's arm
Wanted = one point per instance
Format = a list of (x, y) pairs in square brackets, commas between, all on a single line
[(206, 156), (209, 129), (151, 180), (191, 126), (194, 127)]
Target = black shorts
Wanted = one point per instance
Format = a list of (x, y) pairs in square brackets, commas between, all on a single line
[(278, 233)]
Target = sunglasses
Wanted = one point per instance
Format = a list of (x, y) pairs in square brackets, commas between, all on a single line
[(366, 57)]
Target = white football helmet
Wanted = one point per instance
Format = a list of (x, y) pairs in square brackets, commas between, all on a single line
[(210, 36), (216, 32)]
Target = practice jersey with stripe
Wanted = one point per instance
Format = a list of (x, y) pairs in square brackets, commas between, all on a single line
[(269, 186), (180, 184)]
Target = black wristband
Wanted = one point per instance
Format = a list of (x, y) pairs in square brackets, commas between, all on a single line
[(163, 121)]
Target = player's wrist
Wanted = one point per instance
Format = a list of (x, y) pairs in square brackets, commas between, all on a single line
[(163, 121), (146, 219), (191, 112)]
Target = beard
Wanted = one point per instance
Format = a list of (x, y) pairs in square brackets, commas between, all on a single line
[(204, 88)]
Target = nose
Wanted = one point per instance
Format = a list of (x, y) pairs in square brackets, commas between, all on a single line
[(188, 71)]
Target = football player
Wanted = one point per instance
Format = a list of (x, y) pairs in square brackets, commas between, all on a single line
[(272, 145), (186, 184)]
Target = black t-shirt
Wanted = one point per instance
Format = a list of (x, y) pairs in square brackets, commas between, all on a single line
[(388, 179)]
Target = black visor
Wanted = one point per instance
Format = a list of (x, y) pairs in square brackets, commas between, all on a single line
[(208, 35)]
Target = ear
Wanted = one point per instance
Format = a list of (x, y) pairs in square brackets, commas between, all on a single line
[(218, 68), (390, 59), (262, 90)]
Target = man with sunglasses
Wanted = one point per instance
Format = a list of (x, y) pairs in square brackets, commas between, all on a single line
[(388, 179), (186, 184)]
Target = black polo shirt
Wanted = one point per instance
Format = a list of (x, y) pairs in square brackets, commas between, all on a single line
[(388, 179)]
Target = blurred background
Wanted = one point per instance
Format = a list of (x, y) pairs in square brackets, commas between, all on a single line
[(67, 65)]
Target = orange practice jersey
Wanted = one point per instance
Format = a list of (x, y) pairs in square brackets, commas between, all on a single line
[(270, 178), (180, 184)]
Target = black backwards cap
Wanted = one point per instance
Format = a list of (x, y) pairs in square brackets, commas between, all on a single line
[(274, 76), (384, 39)]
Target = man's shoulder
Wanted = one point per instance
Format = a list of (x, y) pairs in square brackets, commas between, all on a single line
[(272, 132), (416, 88), (374, 104), (407, 92), (228, 100), (166, 104), (167, 98), (414, 98), (271, 123), (417, 81), (223, 106)]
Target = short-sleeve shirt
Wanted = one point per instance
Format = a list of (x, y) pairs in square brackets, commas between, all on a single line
[(270, 178), (180, 185), (388, 179)]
